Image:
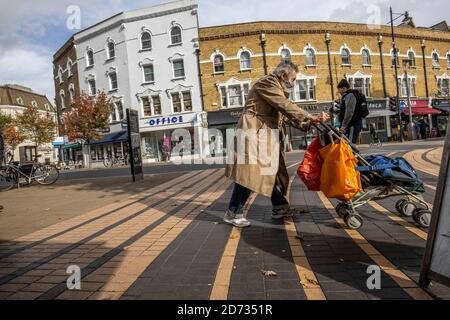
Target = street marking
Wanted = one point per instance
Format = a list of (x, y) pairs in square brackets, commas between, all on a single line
[(429, 186), (408, 285), (295, 164), (307, 277), (47, 233), (415, 158), (435, 155), (222, 281), (418, 232), (113, 237)]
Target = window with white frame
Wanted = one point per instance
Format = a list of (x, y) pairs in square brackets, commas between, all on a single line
[(113, 84), (149, 73), (117, 113), (178, 68), (176, 103), (310, 57), (435, 60), (146, 41), (92, 87), (285, 55), (234, 95), (304, 90), (111, 50), (34, 104), (361, 84), (443, 84), (448, 60), (412, 59), (63, 100), (219, 65), (20, 101), (403, 85), (69, 68), (60, 75), (246, 62), (151, 105), (345, 55), (365, 57), (175, 35), (90, 58)]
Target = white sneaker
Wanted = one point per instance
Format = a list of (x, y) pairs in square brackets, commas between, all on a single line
[(237, 220)]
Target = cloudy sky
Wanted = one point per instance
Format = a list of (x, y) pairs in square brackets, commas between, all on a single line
[(31, 31)]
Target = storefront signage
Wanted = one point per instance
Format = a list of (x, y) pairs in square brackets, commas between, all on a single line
[(134, 142), (377, 104), (165, 121), (224, 117), (316, 107)]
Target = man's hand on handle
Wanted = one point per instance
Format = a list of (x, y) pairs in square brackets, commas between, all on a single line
[(323, 117)]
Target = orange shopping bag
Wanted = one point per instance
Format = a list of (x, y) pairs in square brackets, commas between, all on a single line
[(339, 178)]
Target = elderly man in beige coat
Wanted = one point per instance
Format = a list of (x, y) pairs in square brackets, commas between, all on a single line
[(256, 161)]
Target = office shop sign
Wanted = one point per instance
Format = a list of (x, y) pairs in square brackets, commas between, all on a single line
[(168, 121)]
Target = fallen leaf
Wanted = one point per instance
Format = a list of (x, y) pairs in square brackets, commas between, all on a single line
[(269, 273), (306, 282)]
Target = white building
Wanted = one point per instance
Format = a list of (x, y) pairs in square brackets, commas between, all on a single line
[(145, 60)]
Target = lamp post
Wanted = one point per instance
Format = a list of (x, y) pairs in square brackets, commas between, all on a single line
[(328, 41), (399, 112), (383, 78), (411, 126), (262, 43), (423, 46)]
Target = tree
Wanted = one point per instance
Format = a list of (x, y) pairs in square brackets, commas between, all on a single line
[(35, 126), (12, 137), (87, 118), (5, 120)]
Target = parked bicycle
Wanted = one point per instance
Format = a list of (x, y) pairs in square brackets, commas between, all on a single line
[(115, 162), (15, 175)]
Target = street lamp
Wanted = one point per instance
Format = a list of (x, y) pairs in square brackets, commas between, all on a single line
[(262, 43), (328, 41), (411, 127), (383, 78), (423, 46)]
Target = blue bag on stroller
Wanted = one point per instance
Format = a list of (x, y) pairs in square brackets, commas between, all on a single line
[(397, 171)]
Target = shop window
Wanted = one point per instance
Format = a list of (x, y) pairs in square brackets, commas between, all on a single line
[(176, 103), (187, 101), (379, 122), (304, 90), (443, 87)]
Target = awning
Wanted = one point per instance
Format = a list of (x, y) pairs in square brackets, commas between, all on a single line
[(72, 146), (121, 136), (381, 113), (445, 109), (422, 111)]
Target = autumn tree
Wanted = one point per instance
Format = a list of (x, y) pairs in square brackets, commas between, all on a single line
[(35, 126), (5, 120), (12, 137), (87, 118)]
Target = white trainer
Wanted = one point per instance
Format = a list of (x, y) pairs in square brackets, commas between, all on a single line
[(237, 220)]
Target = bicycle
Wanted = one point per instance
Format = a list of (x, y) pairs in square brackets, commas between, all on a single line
[(14, 175)]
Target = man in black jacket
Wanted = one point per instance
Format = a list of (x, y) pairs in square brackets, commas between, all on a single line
[(350, 113)]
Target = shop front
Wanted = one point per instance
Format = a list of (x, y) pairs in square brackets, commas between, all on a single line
[(110, 146), (424, 117), (379, 119), (162, 141), (224, 121), (441, 121), (72, 153)]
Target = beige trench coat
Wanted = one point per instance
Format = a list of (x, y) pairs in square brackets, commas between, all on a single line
[(267, 107)]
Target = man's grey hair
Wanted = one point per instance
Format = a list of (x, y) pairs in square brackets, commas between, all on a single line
[(285, 68)]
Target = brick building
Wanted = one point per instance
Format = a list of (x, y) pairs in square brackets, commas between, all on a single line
[(232, 59)]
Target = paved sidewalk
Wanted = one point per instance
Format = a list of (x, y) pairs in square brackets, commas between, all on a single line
[(169, 242)]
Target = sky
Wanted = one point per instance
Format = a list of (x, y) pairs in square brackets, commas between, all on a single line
[(31, 31)]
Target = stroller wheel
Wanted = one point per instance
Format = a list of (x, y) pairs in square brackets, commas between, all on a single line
[(342, 209), (398, 205), (407, 208), (422, 217), (354, 221)]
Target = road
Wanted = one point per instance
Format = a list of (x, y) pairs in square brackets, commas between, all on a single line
[(168, 242)]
